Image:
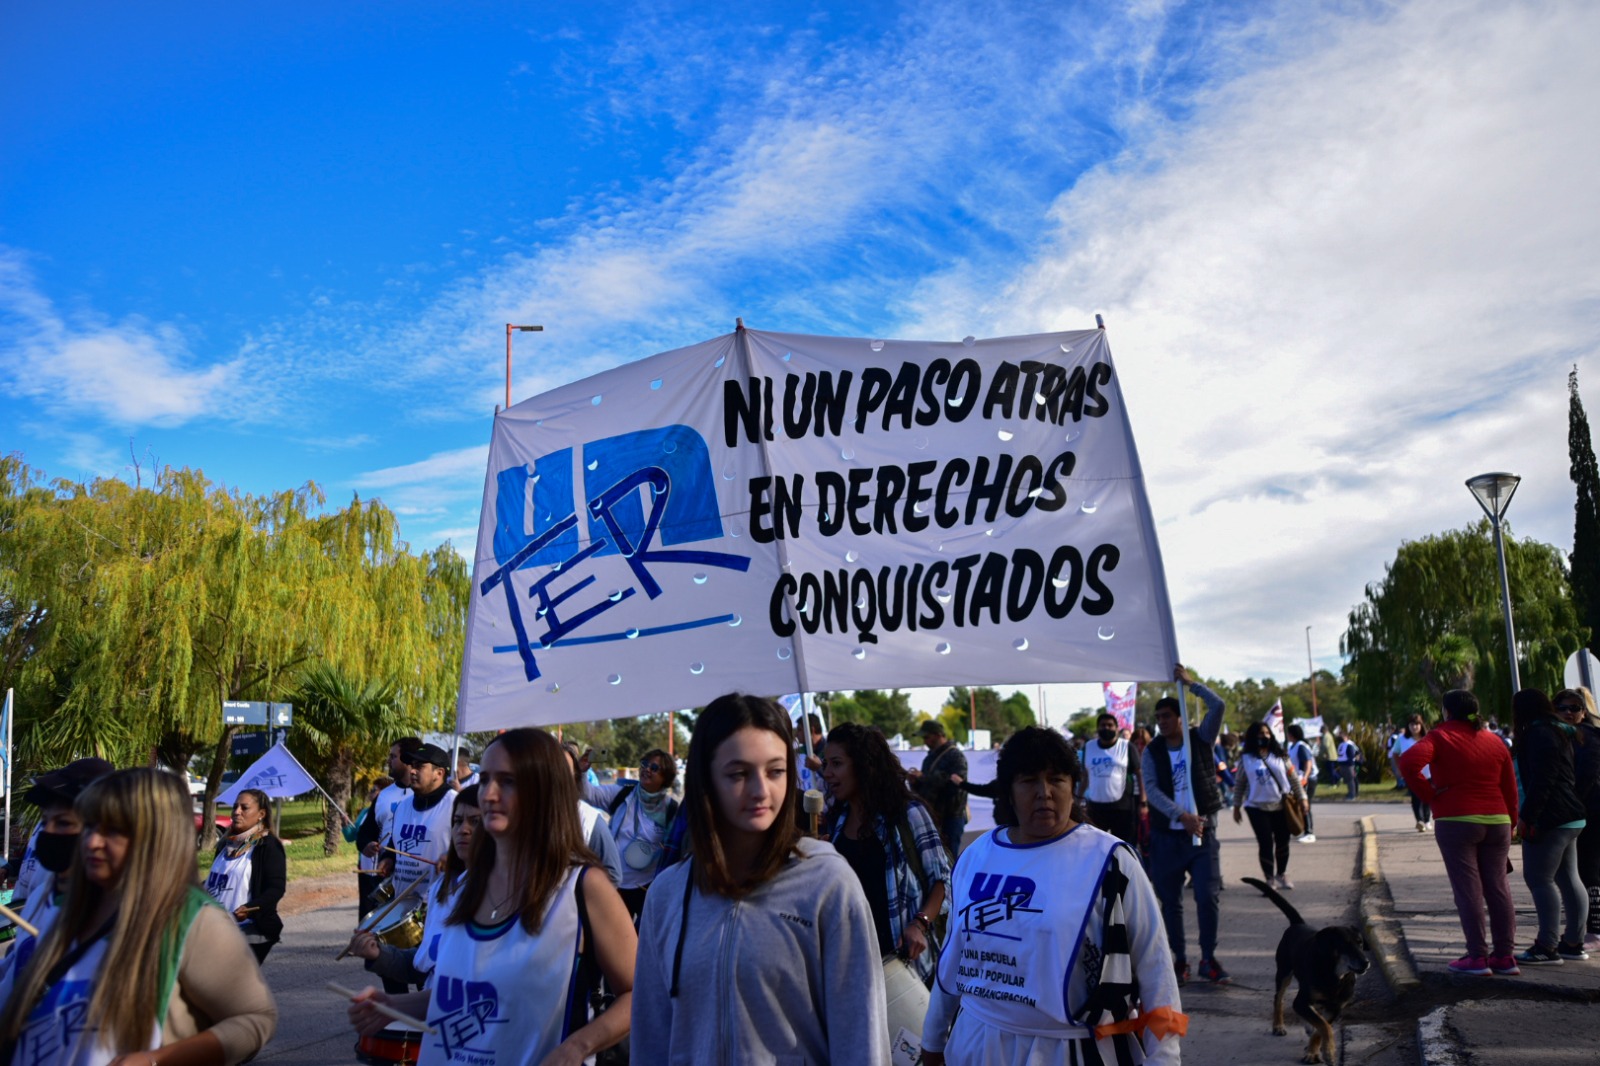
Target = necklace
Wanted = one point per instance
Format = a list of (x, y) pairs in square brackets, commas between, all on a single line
[(495, 911)]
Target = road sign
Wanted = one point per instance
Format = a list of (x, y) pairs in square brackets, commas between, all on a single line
[(250, 744), (244, 712), (257, 712), (1583, 670)]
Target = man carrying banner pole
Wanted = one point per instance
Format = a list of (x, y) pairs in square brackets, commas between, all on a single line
[(1181, 789)]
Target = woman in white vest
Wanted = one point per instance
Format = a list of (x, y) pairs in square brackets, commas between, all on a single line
[(641, 813), (141, 966), (1267, 780), (1038, 962), (534, 923), (249, 873)]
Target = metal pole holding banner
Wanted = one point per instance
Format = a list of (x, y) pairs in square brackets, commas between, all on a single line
[(1188, 754)]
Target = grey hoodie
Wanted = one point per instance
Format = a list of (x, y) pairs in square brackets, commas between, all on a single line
[(789, 975)]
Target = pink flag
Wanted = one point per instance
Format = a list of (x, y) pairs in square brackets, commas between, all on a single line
[(1122, 706)]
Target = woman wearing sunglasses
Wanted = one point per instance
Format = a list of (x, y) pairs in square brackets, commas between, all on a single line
[(1576, 707), (641, 813)]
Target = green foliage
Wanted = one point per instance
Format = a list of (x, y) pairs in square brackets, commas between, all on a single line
[(1586, 515), (128, 613), (1001, 717), (342, 723), (623, 741), (888, 711), (1434, 623)]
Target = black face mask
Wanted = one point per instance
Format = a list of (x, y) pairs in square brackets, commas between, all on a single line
[(55, 850), (1107, 735)]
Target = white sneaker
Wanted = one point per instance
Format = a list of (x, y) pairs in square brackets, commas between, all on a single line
[(1421, 828), (1307, 838), (1285, 884)]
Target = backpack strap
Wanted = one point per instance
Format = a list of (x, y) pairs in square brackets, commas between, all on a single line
[(620, 798)]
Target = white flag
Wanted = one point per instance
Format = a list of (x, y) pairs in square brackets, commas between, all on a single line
[(772, 512), (277, 773)]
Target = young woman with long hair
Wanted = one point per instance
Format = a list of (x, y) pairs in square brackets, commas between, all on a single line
[(1470, 787), (141, 965), (250, 872), (1577, 708), (1415, 729), (533, 925), (1549, 822), (1267, 782), (1075, 962), (889, 839), (761, 947)]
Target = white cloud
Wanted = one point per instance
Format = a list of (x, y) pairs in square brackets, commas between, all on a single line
[(1350, 281), (132, 373)]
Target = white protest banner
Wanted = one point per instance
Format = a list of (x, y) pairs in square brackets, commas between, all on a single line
[(769, 512), (1121, 705), (277, 773)]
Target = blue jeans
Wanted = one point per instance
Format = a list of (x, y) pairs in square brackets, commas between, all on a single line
[(1173, 854), (1352, 778), (952, 829)]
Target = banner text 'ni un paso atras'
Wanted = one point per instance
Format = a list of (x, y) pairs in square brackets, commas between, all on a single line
[(769, 512)]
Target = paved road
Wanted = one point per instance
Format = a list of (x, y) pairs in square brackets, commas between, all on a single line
[(1229, 1024)]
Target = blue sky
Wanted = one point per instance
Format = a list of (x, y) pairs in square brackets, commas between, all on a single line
[(1345, 250)]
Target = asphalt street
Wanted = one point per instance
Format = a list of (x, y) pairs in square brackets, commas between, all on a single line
[(1228, 1024)]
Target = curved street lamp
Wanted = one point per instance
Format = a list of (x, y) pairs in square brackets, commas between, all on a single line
[(1493, 493)]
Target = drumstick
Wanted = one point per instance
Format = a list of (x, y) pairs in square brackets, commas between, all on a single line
[(400, 896), (437, 864), (383, 1009), (18, 920)]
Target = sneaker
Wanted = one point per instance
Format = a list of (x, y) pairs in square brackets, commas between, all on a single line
[(1284, 883), (1574, 952), (1504, 965), (1421, 828), (1309, 838), (1472, 965), (1428, 825), (1538, 956), (1591, 942), (1214, 973), (1182, 970)]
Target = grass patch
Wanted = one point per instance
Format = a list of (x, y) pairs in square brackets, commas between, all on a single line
[(300, 827)]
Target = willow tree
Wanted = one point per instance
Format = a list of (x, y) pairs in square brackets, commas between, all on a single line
[(158, 603), (1434, 622)]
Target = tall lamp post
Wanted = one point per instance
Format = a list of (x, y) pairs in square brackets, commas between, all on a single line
[(519, 329), (1493, 493)]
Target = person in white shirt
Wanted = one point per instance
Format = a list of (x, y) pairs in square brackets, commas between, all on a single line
[(388, 802), (422, 822), (1414, 731), (1267, 782), (1113, 790), (532, 926)]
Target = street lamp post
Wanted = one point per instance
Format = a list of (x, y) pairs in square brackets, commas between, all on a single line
[(520, 329), (1493, 493)]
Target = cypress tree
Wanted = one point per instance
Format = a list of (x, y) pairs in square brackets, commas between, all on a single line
[(1586, 524)]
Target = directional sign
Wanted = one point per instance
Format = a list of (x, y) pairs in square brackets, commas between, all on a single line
[(257, 712), (250, 744), (245, 712)]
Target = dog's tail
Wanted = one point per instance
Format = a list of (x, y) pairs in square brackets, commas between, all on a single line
[(1282, 904)]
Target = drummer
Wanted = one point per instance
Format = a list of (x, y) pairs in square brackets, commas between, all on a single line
[(388, 801), (422, 822), (393, 962), (57, 842)]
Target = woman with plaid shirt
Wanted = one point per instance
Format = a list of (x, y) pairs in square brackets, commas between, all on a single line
[(890, 841)]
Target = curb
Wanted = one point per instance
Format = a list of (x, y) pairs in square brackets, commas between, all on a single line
[(1384, 933)]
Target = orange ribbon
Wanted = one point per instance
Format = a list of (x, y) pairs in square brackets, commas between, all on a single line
[(1163, 1022)]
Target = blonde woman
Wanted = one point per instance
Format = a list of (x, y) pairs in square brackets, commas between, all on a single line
[(141, 965)]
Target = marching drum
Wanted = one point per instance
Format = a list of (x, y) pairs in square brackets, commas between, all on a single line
[(397, 928), (393, 1046)]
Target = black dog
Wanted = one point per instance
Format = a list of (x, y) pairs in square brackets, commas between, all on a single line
[(1325, 963)]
